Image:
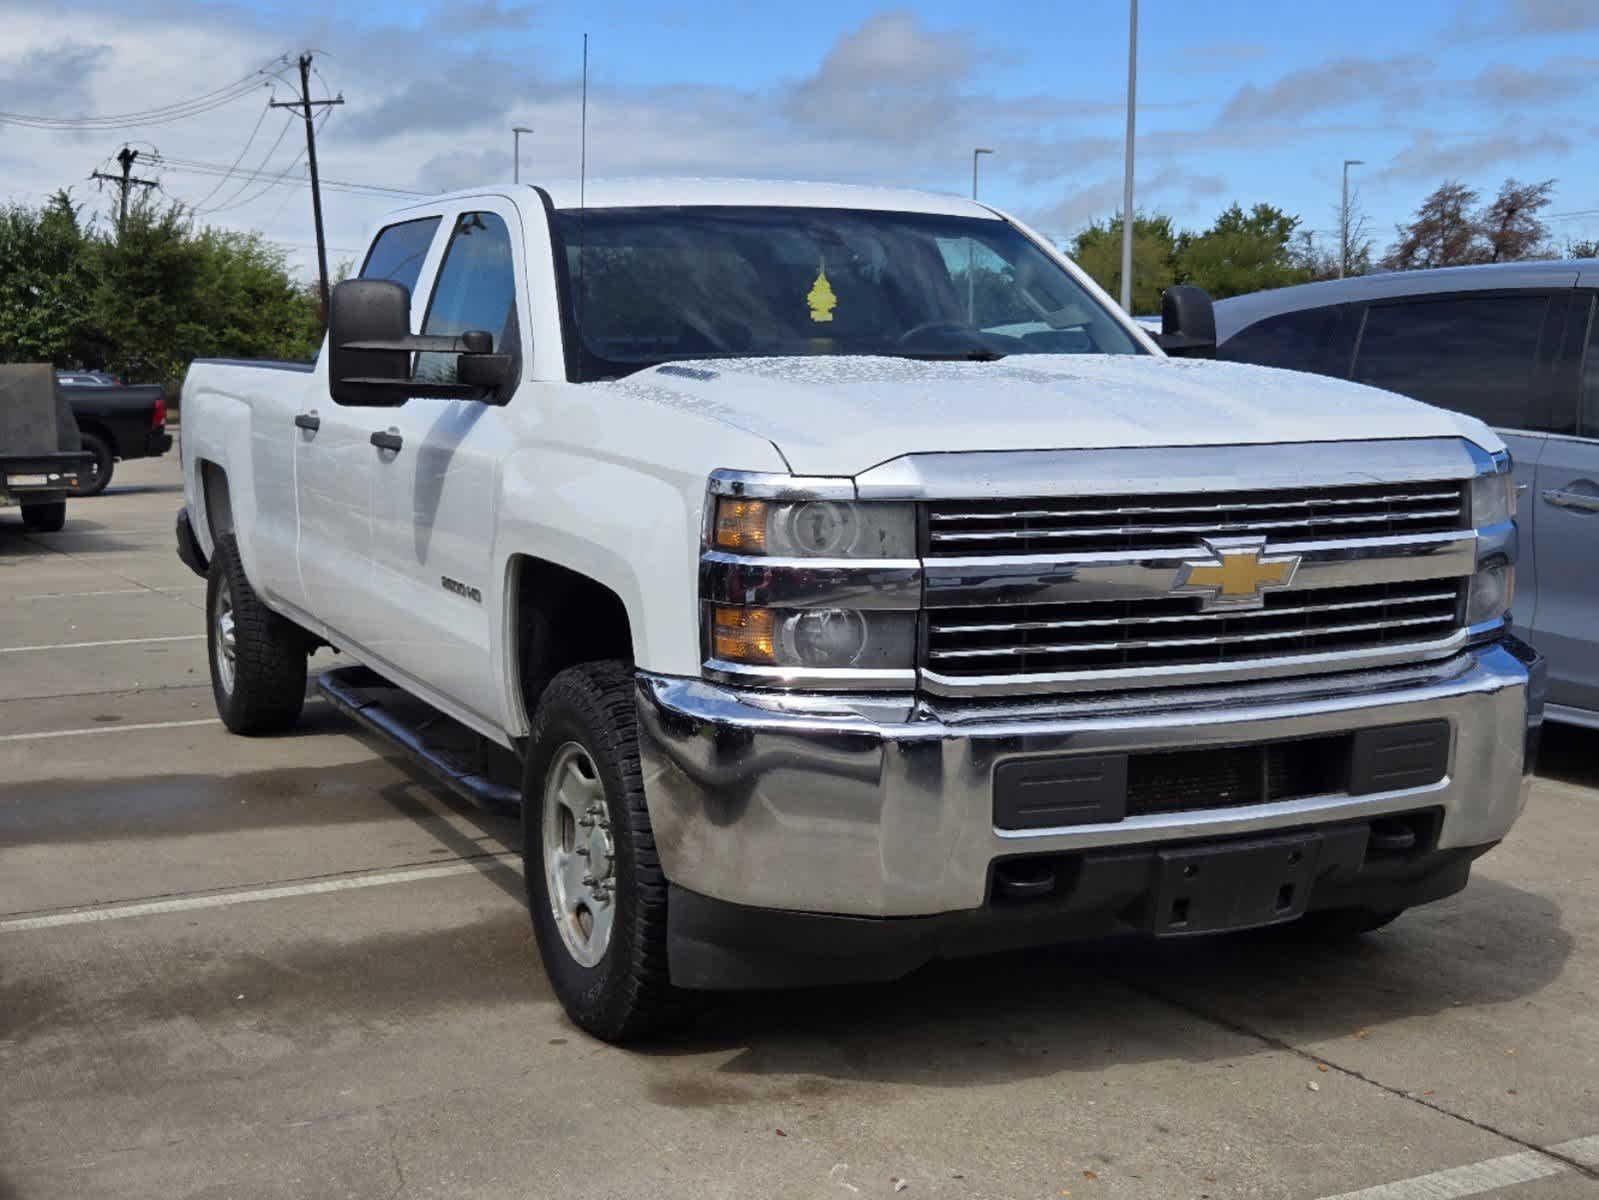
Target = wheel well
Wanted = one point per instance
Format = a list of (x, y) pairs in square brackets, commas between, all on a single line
[(218, 504), (562, 618), (90, 425)]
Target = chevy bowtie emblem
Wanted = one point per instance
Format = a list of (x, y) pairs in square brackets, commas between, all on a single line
[(1237, 574)]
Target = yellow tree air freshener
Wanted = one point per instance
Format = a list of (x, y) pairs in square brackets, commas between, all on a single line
[(821, 297)]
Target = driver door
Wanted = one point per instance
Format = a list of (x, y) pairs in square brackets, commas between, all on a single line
[(434, 491)]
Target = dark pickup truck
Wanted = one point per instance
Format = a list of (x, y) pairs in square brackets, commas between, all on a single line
[(116, 421), (40, 459)]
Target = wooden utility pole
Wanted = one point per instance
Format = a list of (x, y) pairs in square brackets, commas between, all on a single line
[(125, 182), (305, 104)]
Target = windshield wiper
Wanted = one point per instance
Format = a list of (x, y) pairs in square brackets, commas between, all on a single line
[(954, 356)]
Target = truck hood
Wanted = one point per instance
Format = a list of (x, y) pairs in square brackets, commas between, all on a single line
[(841, 416)]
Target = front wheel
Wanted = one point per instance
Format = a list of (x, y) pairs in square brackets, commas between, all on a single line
[(594, 883)]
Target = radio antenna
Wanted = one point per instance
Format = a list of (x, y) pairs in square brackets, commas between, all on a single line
[(582, 199)]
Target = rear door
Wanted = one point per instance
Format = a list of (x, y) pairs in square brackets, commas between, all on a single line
[(1565, 496), (334, 461), (434, 495), (1492, 355)]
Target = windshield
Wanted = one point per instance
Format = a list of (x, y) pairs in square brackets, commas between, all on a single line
[(654, 285)]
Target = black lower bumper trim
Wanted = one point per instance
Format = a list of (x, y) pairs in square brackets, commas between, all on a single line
[(1147, 890)]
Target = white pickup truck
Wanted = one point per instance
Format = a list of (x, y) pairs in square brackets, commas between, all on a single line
[(837, 580)]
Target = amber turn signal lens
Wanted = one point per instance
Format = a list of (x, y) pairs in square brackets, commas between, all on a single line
[(740, 525), (743, 635)]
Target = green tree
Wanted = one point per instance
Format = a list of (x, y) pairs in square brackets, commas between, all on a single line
[(1587, 249), (1243, 252), (44, 283), (1098, 250)]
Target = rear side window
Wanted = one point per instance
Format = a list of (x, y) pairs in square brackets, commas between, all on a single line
[(1312, 339), (476, 289), (1476, 355), (398, 251)]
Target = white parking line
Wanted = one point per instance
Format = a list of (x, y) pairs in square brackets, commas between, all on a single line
[(133, 591), (1474, 1179), (345, 883), (177, 637), (61, 733)]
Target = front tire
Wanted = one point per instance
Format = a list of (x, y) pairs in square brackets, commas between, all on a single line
[(594, 883), (101, 469), (258, 659), (45, 518)]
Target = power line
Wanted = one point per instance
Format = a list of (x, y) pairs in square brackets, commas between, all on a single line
[(189, 166), (162, 114), (252, 176), (228, 174)]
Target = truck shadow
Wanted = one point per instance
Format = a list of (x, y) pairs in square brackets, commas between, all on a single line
[(1082, 1007)]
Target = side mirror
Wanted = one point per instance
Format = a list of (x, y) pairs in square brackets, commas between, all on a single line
[(1187, 323), (370, 345)]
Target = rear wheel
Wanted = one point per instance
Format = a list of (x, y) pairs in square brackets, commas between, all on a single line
[(258, 659), (45, 518), (595, 888), (99, 473)]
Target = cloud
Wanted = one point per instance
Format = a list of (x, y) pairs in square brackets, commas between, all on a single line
[(1558, 79), (1216, 57), (54, 80), (891, 75), (1429, 158), (484, 16), (1551, 16), (1333, 85), (1080, 205)]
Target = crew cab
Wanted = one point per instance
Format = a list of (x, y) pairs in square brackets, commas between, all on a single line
[(836, 579)]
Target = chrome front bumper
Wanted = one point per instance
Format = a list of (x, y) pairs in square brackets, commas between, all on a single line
[(862, 807)]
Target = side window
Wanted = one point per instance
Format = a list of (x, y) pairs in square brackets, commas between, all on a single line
[(1307, 340), (476, 289), (397, 252), (1476, 355)]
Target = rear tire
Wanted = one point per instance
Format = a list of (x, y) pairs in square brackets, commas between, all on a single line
[(45, 518), (595, 888), (100, 470), (258, 659)]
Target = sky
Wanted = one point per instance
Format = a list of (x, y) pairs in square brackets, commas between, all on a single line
[(1238, 100)]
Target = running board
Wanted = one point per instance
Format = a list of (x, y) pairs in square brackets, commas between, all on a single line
[(453, 754)]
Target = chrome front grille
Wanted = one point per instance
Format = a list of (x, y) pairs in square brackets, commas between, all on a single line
[(1174, 631), (1135, 523), (1092, 592)]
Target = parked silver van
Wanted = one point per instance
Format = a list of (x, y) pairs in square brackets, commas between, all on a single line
[(1516, 344)]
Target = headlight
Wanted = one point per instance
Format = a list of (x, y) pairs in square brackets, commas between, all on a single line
[(813, 528), (1492, 589), (813, 639), (1493, 499)]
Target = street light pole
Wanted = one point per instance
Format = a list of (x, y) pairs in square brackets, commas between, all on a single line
[(1127, 182), (971, 250), (1343, 219), (979, 150), (516, 132)]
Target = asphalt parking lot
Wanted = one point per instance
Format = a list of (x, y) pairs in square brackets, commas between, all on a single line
[(292, 967)]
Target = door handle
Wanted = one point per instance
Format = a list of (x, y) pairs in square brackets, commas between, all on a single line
[(387, 439), (1578, 500), (307, 420)]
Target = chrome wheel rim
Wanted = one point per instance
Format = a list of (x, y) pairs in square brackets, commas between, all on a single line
[(579, 854), (223, 634)]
